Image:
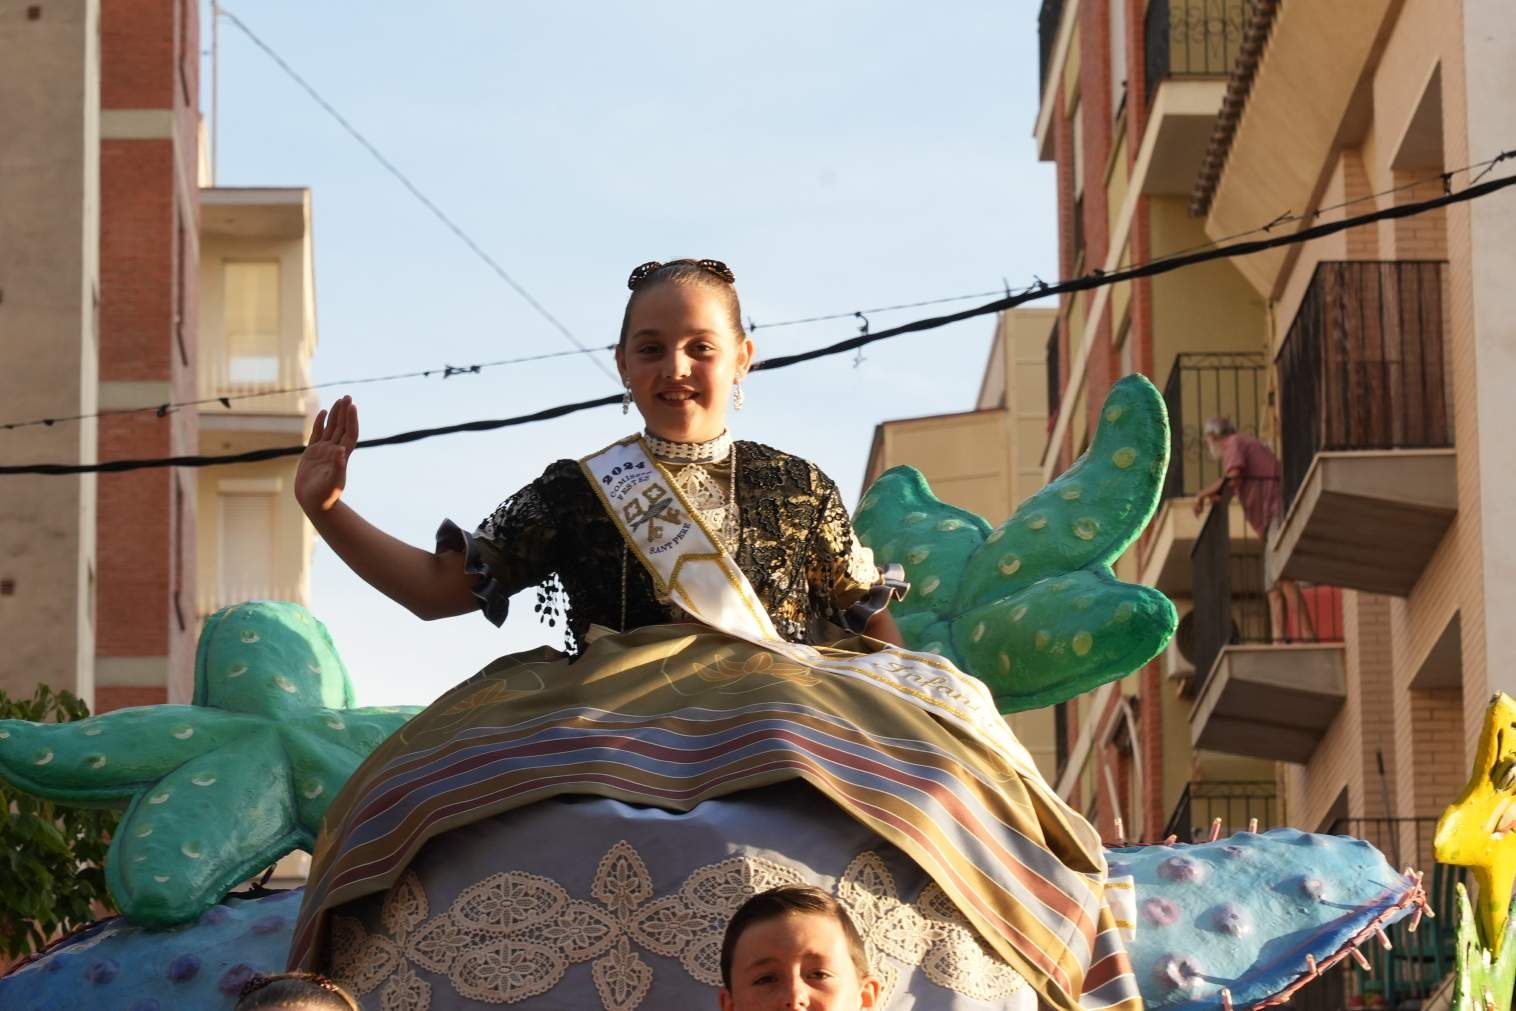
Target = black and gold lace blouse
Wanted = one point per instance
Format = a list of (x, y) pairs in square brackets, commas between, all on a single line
[(795, 543)]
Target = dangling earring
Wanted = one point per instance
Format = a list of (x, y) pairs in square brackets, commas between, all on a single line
[(737, 398), (626, 398)]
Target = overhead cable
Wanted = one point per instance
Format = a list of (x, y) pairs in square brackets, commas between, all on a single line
[(1093, 280)]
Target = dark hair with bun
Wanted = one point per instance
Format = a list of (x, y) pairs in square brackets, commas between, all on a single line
[(712, 274)]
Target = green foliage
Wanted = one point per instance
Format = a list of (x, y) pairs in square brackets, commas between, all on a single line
[(1482, 981), (51, 858)]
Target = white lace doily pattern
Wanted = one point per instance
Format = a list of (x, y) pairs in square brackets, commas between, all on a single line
[(512, 936)]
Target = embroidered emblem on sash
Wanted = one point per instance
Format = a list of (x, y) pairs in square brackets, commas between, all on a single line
[(653, 507)]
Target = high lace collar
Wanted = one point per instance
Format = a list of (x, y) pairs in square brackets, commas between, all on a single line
[(712, 451)]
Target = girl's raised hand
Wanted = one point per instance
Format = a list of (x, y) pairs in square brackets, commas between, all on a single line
[(322, 473)]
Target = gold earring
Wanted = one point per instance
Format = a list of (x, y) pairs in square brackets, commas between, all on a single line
[(626, 398)]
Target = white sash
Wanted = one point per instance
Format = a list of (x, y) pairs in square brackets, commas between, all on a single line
[(691, 567)]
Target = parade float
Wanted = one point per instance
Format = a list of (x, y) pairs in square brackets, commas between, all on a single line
[(591, 900)]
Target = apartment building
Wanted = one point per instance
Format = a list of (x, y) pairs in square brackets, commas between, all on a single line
[(124, 284), (1371, 361), (97, 261)]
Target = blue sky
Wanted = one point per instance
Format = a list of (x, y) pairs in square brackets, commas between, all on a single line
[(838, 156)]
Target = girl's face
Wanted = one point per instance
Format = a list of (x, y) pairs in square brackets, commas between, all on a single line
[(681, 359)]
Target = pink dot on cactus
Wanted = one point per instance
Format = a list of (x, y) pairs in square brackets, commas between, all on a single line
[(1230, 918), (1179, 972), (1160, 912), (232, 980), (1182, 868)]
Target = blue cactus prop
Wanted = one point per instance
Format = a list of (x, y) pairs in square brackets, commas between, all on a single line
[(120, 965), (1249, 914), (1255, 915)]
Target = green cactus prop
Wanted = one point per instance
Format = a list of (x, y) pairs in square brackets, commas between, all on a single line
[(1031, 607), (1482, 981), (217, 790)]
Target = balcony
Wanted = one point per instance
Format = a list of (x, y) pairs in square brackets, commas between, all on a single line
[(1366, 430), (1238, 803), (1200, 386), (1264, 688), (1190, 49), (257, 317)]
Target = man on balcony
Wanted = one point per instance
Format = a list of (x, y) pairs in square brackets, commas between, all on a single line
[(1251, 471)]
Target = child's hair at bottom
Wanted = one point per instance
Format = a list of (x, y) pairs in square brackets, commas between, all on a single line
[(787, 901), (307, 991)]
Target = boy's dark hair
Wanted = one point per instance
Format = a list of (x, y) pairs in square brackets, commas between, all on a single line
[(308, 991), (790, 900)]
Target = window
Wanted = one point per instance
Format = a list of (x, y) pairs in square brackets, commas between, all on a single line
[(185, 55), (1128, 352), (247, 540), (1078, 145), (180, 284), (1118, 56), (1060, 737), (178, 574), (251, 305)]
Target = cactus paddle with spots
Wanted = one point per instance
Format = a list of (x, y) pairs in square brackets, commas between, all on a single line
[(217, 790), (1032, 607)]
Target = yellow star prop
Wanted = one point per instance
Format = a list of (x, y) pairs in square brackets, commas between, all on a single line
[(1476, 829)]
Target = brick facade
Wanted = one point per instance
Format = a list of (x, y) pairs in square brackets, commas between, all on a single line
[(148, 335)]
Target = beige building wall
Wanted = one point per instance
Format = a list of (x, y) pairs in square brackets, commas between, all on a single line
[(1206, 308), (986, 460), (257, 304), (49, 273), (1484, 236)]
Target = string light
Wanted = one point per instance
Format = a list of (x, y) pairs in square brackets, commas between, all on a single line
[(1149, 269)]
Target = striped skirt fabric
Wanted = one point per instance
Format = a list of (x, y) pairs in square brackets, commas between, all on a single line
[(669, 718)]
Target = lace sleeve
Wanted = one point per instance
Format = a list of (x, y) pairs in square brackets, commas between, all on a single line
[(511, 549), (847, 588)]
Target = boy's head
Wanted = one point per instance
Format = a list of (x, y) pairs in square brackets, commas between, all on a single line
[(794, 947), (295, 991)]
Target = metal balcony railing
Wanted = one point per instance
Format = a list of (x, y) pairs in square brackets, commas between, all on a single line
[(1363, 365), (254, 382), (1418, 961), (1047, 33), (1237, 802), (1232, 600), (1203, 386), (1193, 38)]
